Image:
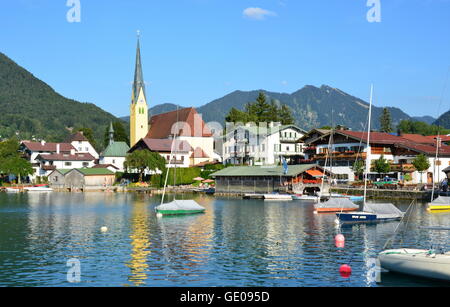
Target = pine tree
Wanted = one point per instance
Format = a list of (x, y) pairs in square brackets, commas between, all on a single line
[(386, 121)]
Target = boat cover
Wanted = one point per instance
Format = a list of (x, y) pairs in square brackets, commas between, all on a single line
[(441, 201), (339, 202), (383, 208), (181, 205)]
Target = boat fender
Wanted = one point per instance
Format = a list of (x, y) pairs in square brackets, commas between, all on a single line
[(339, 241)]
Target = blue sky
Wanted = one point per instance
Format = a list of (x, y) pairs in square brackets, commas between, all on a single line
[(194, 51)]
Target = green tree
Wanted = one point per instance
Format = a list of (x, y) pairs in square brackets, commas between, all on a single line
[(417, 127), (358, 168), (120, 134), (382, 166), (386, 121), (142, 160), (11, 161), (260, 111), (421, 164)]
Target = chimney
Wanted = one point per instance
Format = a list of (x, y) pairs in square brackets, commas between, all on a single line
[(58, 147), (72, 152), (42, 142)]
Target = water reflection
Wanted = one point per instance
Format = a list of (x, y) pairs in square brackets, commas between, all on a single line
[(235, 243), (140, 242)]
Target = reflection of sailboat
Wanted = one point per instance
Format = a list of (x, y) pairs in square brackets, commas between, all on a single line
[(177, 207), (371, 212)]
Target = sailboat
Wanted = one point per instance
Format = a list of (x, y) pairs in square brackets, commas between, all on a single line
[(418, 262), (371, 212), (336, 202), (177, 207)]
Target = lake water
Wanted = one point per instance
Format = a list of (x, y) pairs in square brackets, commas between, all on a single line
[(235, 243)]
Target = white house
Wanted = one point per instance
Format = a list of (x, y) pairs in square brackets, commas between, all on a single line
[(263, 145), (81, 144), (51, 162)]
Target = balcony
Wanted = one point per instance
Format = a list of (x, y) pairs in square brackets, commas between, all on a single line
[(405, 167), (348, 155)]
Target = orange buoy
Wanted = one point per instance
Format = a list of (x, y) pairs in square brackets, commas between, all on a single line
[(339, 241), (345, 270)]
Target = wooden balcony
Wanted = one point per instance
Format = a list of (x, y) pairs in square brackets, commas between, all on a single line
[(348, 155)]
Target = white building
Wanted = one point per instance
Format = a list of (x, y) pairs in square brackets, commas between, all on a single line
[(114, 155), (51, 162), (349, 146), (263, 145), (81, 144), (187, 125)]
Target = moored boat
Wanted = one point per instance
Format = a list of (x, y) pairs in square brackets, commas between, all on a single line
[(372, 212), (39, 189), (305, 197), (336, 205), (12, 190), (277, 197), (180, 207), (440, 203)]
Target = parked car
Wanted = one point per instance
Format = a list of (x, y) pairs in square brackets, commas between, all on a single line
[(387, 181)]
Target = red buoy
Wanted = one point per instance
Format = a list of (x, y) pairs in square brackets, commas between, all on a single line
[(345, 270), (339, 241)]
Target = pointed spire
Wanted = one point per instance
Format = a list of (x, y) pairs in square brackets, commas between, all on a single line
[(138, 74), (111, 134)]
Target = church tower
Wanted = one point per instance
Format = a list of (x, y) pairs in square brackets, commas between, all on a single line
[(138, 108)]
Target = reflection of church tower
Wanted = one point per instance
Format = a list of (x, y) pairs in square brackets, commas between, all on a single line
[(140, 243), (139, 108)]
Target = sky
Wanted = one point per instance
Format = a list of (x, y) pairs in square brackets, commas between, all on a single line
[(195, 51)]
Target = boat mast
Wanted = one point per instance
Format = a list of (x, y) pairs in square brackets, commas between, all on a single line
[(438, 139), (368, 145)]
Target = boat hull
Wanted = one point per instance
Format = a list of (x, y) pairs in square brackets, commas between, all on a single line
[(416, 262), (356, 217), (438, 208), (179, 212), (277, 197)]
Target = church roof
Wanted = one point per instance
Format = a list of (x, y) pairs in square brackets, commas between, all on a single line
[(161, 124), (138, 83), (116, 149)]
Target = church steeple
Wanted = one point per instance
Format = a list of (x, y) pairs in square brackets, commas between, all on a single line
[(139, 107), (138, 83)]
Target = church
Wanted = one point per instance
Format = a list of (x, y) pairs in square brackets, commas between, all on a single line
[(186, 125)]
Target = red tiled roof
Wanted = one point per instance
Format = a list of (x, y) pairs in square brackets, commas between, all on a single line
[(161, 125), (66, 157), (48, 147), (418, 138), (444, 138), (162, 145), (78, 137)]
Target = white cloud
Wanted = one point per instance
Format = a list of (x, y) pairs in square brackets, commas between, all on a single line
[(257, 13)]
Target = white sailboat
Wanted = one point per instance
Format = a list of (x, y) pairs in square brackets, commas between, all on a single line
[(372, 212), (177, 207), (418, 262)]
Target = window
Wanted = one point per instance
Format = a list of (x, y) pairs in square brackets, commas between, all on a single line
[(68, 164), (85, 164), (287, 148), (114, 161), (87, 149)]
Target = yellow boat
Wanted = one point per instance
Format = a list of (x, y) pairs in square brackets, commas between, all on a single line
[(439, 204)]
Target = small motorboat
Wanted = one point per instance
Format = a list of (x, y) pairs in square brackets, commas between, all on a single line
[(277, 197), (12, 190), (305, 197), (372, 212), (440, 203), (339, 204), (39, 189), (180, 207)]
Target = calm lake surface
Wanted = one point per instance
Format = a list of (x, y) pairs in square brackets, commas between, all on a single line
[(235, 243)]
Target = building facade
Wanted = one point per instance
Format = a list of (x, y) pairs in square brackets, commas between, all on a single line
[(263, 145)]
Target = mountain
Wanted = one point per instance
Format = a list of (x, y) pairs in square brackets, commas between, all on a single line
[(426, 119), (312, 107), (158, 109), (32, 109), (443, 120)]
